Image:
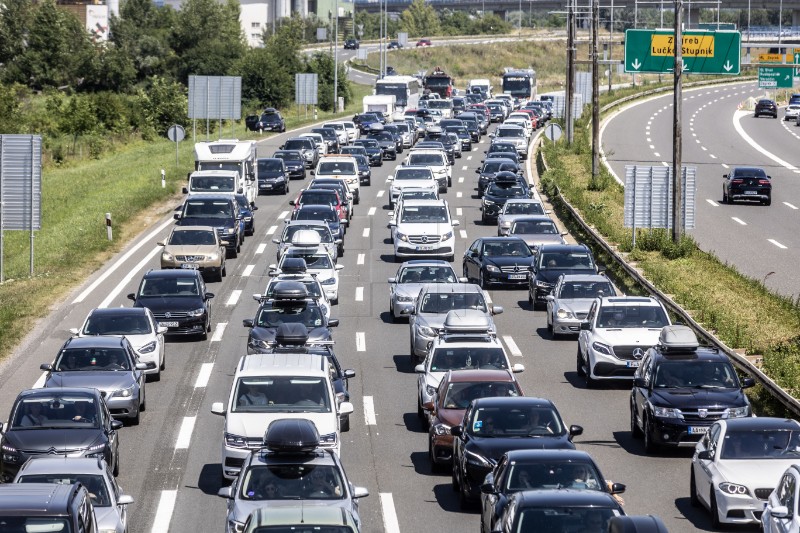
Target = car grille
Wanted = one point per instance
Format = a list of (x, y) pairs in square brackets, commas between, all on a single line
[(190, 258), (255, 443), (172, 315), (711, 415), (511, 269), (626, 352), (763, 494), (424, 239), (53, 451), (581, 316)]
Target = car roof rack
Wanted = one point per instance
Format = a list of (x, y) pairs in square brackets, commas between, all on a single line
[(291, 435), (289, 290), (677, 339), (294, 265)]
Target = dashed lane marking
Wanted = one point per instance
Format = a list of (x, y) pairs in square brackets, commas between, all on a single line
[(248, 270), (776, 243), (261, 248), (372, 211), (459, 211), (271, 230), (361, 342), (185, 433), (461, 180), (369, 411), (204, 375), (283, 215), (365, 233), (512, 346), (739, 221), (712, 202), (235, 295), (360, 260), (459, 194), (790, 206), (390, 523), (463, 233), (380, 194), (656, 154), (219, 330), (166, 504), (359, 294)]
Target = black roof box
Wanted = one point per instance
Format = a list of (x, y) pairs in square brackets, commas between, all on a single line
[(291, 435), (291, 334), (290, 290), (293, 265), (636, 524)]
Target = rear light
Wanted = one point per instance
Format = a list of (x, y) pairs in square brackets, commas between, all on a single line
[(737, 182), (763, 182)]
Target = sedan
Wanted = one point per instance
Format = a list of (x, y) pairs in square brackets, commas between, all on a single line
[(273, 176), (412, 275), (747, 183), (536, 230), (373, 149), (294, 163), (562, 510), (497, 260), (569, 303), (766, 107)]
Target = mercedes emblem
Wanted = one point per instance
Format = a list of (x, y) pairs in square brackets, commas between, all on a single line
[(702, 413), (638, 353), (424, 238)]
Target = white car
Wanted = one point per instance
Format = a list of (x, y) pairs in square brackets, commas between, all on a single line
[(792, 112), (436, 160), (319, 142), (424, 228), (341, 132), (517, 208), (343, 167), (353, 132), (137, 324), (408, 177), (781, 512), (738, 464), (319, 263), (615, 336), (514, 134)]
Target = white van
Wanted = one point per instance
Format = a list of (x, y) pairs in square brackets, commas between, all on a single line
[(213, 182), (231, 154)]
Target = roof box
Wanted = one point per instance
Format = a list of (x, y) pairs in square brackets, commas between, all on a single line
[(292, 334), (466, 321), (376, 126), (290, 290), (636, 524), (293, 265), (678, 338), (291, 435), (306, 237)]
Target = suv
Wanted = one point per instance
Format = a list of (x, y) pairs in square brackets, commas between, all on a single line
[(747, 183), (220, 212), (514, 134), (305, 146), (351, 44), (662, 408), (552, 260), (436, 160), (766, 107), (424, 228), (306, 245), (514, 209), (615, 336), (195, 247), (505, 186), (343, 168), (272, 175), (38, 507), (271, 120), (334, 247)]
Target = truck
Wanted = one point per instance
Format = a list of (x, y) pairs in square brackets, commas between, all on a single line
[(439, 82), (482, 85), (520, 83), (380, 103), (231, 154)]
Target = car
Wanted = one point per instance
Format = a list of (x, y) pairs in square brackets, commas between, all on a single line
[(504, 187), (494, 426), (109, 501), (138, 325), (271, 120), (407, 133), (178, 299), (514, 134), (491, 166), (766, 107), (747, 183), (411, 276), (520, 470), (569, 302), (780, 512), (552, 260), (351, 44), (331, 137), (44, 422), (291, 467), (497, 260), (738, 463), (305, 146), (294, 162), (319, 142), (615, 336), (587, 511), (422, 43), (298, 274), (463, 136), (394, 45), (373, 149), (409, 194), (318, 262), (398, 136), (514, 209), (435, 134), (322, 197), (351, 129), (341, 132), (424, 228), (436, 160), (497, 112), (418, 177), (218, 211), (503, 149), (536, 230), (326, 213), (386, 140), (334, 184), (341, 167), (290, 304), (298, 517), (454, 393), (326, 239), (273, 175), (661, 411), (248, 212), (37, 507), (364, 121), (364, 170), (106, 363)]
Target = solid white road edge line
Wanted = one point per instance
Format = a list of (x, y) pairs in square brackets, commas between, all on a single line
[(749, 140), (185, 433), (390, 523), (166, 504), (204, 375), (369, 411)]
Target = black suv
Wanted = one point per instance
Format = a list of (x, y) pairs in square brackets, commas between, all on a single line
[(552, 260), (271, 120), (220, 212), (766, 107), (681, 388), (505, 186), (294, 162), (46, 507), (351, 44), (273, 175), (747, 183), (491, 166)]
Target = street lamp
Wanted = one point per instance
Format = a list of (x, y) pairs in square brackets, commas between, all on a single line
[(336, 59), (520, 17)]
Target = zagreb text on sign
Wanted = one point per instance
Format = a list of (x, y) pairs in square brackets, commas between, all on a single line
[(693, 45)]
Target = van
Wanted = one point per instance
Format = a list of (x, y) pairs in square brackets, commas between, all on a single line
[(234, 155), (219, 211), (51, 507), (214, 182)]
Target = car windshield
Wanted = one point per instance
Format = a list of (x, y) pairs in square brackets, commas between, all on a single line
[(572, 290), (633, 316), (382, 136), (302, 481), (312, 287), (208, 209), (367, 143), (284, 394), (428, 274), (53, 411), (512, 248), (313, 261), (169, 287), (566, 261), (425, 214), (696, 375), (24, 523), (413, 174), (523, 208), (497, 166), (270, 117), (95, 484), (558, 519), (553, 475), (504, 191), (444, 359), (329, 167), (213, 183), (426, 159), (192, 237), (528, 421), (298, 144), (419, 195), (534, 227), (328, 215), (108, 324), (272, 316), (761, 444), (288, 157), (458, 395), (511, 132), (88, 359), (323, 231), (318, 197), (442, 302), (749, 173)]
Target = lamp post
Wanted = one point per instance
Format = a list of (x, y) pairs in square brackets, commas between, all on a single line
[(520, 18), (336, 59)]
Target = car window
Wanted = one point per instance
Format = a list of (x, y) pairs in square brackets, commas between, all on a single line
[(534, 227), (444, 359), (54, 411), (275, 315), (413, 174), (458, 395), (88, 359), (208, 208), (441, 303), (313, 261), (323, 231), (696, 374), (328, 215), (105, 324), (517, 422), (428, 274), (301, 481), (426, 159), (762, 444), (424, 214), (95, 484), (586, 289), (181, 237), (553, 475), (335, 168), (566, 260), (281, 394), (633, 316), (509, 248), (169, 287)]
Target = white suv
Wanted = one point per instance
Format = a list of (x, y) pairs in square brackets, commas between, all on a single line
[(514, 134), (424, 228), (268, 387), (436, 160), (343, 167), (405, 177), (615, 336)]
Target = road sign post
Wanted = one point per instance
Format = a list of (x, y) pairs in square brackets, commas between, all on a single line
[(704, 52)]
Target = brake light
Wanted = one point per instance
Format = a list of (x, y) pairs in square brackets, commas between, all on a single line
[(763, 182), (737, 182)]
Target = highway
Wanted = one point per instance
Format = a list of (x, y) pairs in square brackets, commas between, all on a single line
[(759, 241)]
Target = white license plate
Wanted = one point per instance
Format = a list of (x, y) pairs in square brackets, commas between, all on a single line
[(168, 324), (266, 186), (190, 266), (751, 192), (425, 248), (701, 430), (632, 364), (516, 276)]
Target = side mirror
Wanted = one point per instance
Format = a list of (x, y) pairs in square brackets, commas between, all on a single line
[(125, 499), (162, 330), (247, 322), (574, 431), (488, 488), (291, 202), (240, 191), (253, 208), (780, 512), (339, 267), (345, 408), (586, 326), (463, 280), (518, 368), (725, 176), (116, 425), (456, 431), (705, 455), (176, 216), (392, 280), (419, 369), (550, 298), (349, 373), (145, 366), (360, 492), (184, 190), (478, 171), (497, 309), (333, 322), (748, 382), (208, 296), (225, 492), (276, 240), (160, 243), (617, 488), (224, 243), (132, 296), (456, 223), (74, 331), (218, 408), (47, 367), (312, 172)]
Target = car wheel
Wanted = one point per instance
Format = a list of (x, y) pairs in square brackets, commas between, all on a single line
[(154, 377), (136, 419), (450, 258), (579, 364), (465, 271), (223, 271), (724, 197), (550, 326), (218, 277), (591, 383), (715, 523), (755, 115), (345, 425), (463, 501), (115, 472), (286, 188), (649, 445), (484, 220), (482, 281), (635, 431), (768, 201), (239, 245), (393, 316), (163, 364), (454, 480), (530, 298), (693, 499)]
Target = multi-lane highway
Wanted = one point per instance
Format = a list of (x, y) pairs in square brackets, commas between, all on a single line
[(760, 241), (171, 462)]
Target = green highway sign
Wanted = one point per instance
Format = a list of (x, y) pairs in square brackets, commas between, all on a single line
[(704, 52), (775, 78)]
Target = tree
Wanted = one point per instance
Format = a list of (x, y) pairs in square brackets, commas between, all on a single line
[(140, 35), (420, 19), (263, 80), (15, 20), (322, 64), (163, 103)]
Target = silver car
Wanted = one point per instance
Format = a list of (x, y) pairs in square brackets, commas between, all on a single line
[(333, 246), (108, 364), (572, 296), (514, 209), (411, 277), (536, 230), (110, 503)]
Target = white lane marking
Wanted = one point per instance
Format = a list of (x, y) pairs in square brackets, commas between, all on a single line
[(360, 260), (204, 375), (361, 342), (712, 202), (219, 330), (459, 211), (692, 129), (469, 158), (725, 166), (464, 167), (652, 147), (697, 141), (146, 240), (790, 206), (656, 154), (369, 411), (248, 270), (283, 215), (271, 230), (463, 233), (129, 276), (704, 148), (380, 194), (235, 295), (185, 433), (665, 163), (372, 211), (488, 297), (359, 294), (749, 140), (459, 194), (166, 504), (461, 180), (739, 221), (776, 243), (712, 156), (512, 346), (694, 135), (261, 248), (796, 171), (365, 233), (390, 523)]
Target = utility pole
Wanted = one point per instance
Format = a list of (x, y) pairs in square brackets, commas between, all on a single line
[(677, 135), (568, 119), (380, 45), (595, 91), (336, 58)]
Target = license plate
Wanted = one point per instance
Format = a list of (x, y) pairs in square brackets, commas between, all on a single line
[(168, 324), (266, 186), (425, 248), (751, 192), (633, 364), (190, 266), (517, 276), (701, 430)]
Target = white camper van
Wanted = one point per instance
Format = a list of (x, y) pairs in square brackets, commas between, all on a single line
[(230, 154)]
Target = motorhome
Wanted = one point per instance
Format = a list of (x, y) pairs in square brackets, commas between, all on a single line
[(231, 154)]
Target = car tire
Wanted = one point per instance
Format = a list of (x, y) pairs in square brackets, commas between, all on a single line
[(636, 433), (724, 197), (579, 364), (649, 445), (115, 472), (482, 281), (550, 328), (286, 188), (450, 258), (715, 523), (454, 481), (484, 219), (136, 419), (693, 499), (224, 271), (591, 383), (154, 377), (463, 501), (465, 272), (163, 365), (768, 201), (345, 425), (239, 245), (393, 316), (218, 276)]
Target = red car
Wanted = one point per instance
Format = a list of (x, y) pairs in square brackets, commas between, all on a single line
[(533, 115), (321, 197), (424, 43)]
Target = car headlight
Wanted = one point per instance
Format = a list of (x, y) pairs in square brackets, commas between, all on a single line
[(404, 298), (563, 313), (401, 236), (666, 412), (447, 236), (235, 441), (477, 460), (148, 348), (602, 348), (236, 527), (95, 449), (280, 178), (733, 488), (492, 268), (329, 281), (213, 257), (248, 219), (736, 412), (426, 331), (543, 284), (230, 231), (441, 429), (7, 448), (430, 389), (123, 393), (196, 312), (328, 439), (166, 256)]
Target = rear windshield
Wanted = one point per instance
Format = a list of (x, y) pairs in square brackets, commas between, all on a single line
[(326, 168), (442, 303), (426, 159)]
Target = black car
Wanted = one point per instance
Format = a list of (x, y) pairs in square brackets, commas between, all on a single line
[(505, 186), (306, 147), (463, 135), (394, 45), (497, 260), (559, 510), (459, 105), (326, 213), (353, 149), (386, 141), (491, 166), (273, 176), (218, 211), (248, 213), (294, 162), (470, 120), (364, 172), (330, 136), (681, 388), (435, 134), (747, 183), (569, 258), (365, 120), (520, 470), (351, 44), (178, 300), (398, 136), (494, 426), (766, 107), (503, 149), (373, 149), (44, 421), (271, 120), (496, 112)]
